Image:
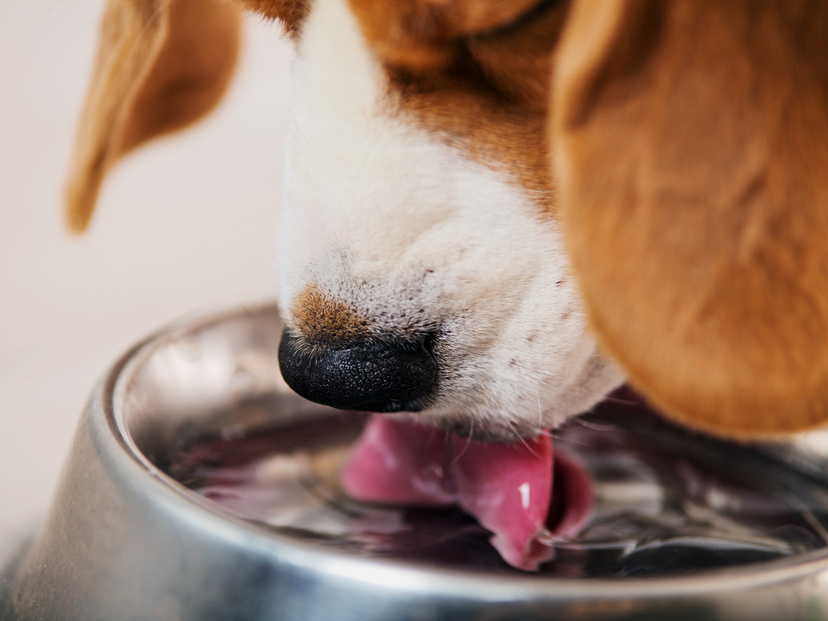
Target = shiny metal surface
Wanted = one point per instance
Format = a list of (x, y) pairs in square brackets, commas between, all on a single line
[(124, 541)]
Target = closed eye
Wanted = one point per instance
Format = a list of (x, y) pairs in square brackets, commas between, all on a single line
[(522, 20)]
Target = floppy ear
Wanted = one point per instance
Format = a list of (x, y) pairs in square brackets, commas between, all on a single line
[(161, 65), (690, 144)]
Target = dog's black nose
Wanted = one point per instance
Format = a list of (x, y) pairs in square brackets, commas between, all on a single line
[(373, 376)]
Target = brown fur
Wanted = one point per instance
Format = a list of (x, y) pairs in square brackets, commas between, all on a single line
[(161, 65), (692, 148), (290, 13), (690, 144), (322, 320), (420, 35), (490, 99)]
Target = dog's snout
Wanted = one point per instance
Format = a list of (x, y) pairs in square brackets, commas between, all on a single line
[(369, 375)]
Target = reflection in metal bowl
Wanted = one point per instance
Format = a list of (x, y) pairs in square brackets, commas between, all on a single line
[(684, 526)]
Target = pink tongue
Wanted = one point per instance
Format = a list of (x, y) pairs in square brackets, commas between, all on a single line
[(399, 463), (508, 488)]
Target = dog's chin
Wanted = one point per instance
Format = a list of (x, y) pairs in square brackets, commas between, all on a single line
[(517, 416), (501, 411), (466, 428), (493, 427), (487, 432)]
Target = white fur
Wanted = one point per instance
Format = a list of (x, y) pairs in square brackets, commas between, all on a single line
[(412, 234)]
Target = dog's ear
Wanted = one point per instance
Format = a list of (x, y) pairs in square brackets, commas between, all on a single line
[(161, 65), (690, 145)]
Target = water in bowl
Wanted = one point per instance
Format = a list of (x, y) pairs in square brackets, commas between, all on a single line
[(666, 502)]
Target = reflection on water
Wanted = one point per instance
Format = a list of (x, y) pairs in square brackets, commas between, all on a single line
[(667, 502)]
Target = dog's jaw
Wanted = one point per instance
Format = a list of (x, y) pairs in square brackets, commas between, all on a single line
[(385, 218)]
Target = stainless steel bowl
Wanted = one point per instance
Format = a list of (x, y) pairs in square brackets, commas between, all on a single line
[(124, 540)]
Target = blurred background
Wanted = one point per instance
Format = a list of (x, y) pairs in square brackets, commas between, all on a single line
[(185, 225)]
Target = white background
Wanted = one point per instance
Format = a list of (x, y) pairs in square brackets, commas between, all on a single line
[(185, 224)]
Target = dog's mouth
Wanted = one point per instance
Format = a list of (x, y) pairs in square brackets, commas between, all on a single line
[(527, 496)]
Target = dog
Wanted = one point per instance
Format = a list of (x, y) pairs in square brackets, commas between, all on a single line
[(497, 212)]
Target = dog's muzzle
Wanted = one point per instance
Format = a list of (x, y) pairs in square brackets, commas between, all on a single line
[(372, 375)]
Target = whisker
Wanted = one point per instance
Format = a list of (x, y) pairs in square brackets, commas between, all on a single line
[(595, 426), (571, 441), (520, 437), (555, 436), (540, 413)]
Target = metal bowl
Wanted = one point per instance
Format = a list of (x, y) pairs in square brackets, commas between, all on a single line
[(125, 540)]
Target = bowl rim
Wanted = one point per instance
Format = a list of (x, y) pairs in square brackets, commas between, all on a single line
[(414, 577)]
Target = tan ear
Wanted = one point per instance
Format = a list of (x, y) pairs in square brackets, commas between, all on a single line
[(690, 142), (161, 65)]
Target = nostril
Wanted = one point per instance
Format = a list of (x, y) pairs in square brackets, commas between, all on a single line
[(377, 376)]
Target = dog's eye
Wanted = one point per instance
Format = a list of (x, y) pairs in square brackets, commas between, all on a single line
[(505, 22), (424, 34), (474, 19)]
